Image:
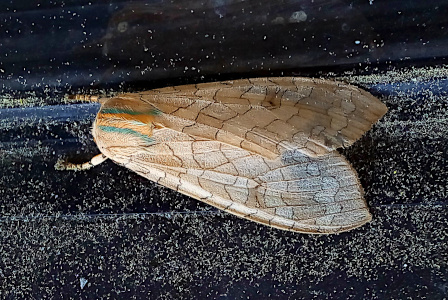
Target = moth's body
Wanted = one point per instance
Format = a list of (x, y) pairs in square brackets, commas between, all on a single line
[(260, 148)]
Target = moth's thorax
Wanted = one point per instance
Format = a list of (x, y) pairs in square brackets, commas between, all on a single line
[(124, 120)]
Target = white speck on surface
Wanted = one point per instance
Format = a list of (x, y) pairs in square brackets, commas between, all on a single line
[(278, 20), (297, 17), (122, 26), (82, 282), (357, 42)]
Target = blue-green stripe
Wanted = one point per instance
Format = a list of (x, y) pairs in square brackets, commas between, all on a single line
[(112, 129)]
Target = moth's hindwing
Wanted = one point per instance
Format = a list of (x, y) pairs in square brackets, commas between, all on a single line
[(293, 192)]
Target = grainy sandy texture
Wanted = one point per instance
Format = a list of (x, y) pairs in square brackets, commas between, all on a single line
[(110, 233)]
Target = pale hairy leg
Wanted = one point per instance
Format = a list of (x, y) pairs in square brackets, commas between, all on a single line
[(63, 165)]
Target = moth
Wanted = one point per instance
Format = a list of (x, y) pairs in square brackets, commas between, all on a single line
[(262, 148)]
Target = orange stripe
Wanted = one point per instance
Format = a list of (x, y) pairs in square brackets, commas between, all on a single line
[(143, 118)]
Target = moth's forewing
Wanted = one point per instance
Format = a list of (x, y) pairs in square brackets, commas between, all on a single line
[(270, 115)]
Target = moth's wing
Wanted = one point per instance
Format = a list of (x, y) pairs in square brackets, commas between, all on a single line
[(294, 192), (270, 115)]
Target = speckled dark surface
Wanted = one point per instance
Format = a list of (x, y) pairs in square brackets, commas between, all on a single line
[(108, 233)]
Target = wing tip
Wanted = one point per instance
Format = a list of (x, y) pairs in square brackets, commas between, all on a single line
[(364, 218), (345, 223)]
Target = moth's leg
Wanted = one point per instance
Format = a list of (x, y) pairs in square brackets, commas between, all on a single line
[(85, 98), (65, 165), (80, 97)]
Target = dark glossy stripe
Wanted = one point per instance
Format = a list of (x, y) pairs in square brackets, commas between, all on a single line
[(153, 112)]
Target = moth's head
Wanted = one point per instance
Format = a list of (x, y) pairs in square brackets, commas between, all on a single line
[(125, 120)]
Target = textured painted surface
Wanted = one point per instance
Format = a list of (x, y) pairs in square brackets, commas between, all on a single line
[(109, 233)]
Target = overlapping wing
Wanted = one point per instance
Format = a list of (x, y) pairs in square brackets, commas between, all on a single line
[(293, 192), (270, 115)]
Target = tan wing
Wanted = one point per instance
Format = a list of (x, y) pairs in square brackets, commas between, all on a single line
[(270, 115), (294, 192)]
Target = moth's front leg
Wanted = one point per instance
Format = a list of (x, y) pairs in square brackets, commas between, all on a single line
[(85, 98), (63, 165), (82, 98)]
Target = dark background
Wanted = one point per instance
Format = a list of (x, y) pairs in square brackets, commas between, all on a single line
[(108, 233)]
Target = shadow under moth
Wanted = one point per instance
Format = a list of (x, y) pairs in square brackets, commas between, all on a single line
[(261, 148)]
